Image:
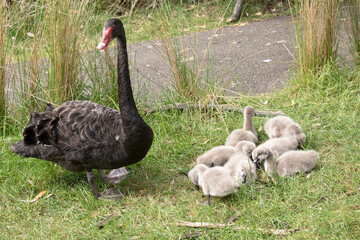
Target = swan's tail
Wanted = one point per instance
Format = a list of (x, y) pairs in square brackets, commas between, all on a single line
[(25, 150)]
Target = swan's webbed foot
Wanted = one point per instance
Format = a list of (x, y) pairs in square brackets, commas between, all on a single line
[(114, 176), (111, 193)]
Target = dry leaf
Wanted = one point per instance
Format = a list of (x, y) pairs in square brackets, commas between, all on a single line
[(260, 129), (94, 215), (35, 198), (30, 34)]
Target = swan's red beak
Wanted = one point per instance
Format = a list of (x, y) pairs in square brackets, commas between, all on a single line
[(106, 39)]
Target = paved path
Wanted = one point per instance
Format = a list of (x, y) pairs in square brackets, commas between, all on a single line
[(254, 57)]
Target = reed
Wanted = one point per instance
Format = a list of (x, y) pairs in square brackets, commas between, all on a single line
[(316, 34), (63, 31), (353, 29), (3, 60)]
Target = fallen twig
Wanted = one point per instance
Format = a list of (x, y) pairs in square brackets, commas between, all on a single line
[(279, 232), (317, 201), (230, 108), (232, 219)]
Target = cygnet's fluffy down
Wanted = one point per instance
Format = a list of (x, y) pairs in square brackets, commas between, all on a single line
[(248, 131), (217, 182), (245, 147), (242, 169), (216, 156), (277, 145), (296, 161), (281, 126)]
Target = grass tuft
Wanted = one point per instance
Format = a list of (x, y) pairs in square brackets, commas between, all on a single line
[(353, 30), (63, 32), (316, 35)]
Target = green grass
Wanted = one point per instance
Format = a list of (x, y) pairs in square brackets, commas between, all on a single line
[(158, 192)]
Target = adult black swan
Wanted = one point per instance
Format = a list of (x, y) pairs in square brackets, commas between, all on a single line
[(82, 135)]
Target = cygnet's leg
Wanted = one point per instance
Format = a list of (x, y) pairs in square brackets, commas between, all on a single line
[(207, 201), (114, 176)]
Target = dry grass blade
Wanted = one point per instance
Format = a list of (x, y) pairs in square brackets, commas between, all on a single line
[(3, 29)]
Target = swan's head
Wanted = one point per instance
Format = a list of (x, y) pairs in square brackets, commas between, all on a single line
[(112, 29)]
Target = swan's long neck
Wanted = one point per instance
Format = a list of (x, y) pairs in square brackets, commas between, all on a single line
[(127, 104)]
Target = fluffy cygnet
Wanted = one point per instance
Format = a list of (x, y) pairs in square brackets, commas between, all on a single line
[(277, 145), (281, 126), (241, 168), (248, 131), (216, 182), (296, 161), (216, 156)]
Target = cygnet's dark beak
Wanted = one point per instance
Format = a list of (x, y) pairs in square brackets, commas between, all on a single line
[(212, 164), (244, 179)]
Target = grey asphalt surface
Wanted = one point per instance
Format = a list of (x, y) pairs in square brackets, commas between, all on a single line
[(249, 58)]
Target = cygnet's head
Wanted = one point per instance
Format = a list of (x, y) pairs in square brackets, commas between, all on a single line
[(249, 111), (245, 147), (260, 154), (194, 174)]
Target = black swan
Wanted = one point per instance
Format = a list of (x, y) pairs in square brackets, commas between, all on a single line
[(82, 135)]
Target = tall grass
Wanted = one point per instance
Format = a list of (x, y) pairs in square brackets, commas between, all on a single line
[(353, 29), (192, 78), (3, 60), (64, 28), (316, 35)]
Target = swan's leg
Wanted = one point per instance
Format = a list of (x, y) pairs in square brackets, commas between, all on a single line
[(91, 179), (114, 176)]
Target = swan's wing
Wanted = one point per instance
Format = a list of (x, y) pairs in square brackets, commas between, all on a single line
[(76, 126)]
